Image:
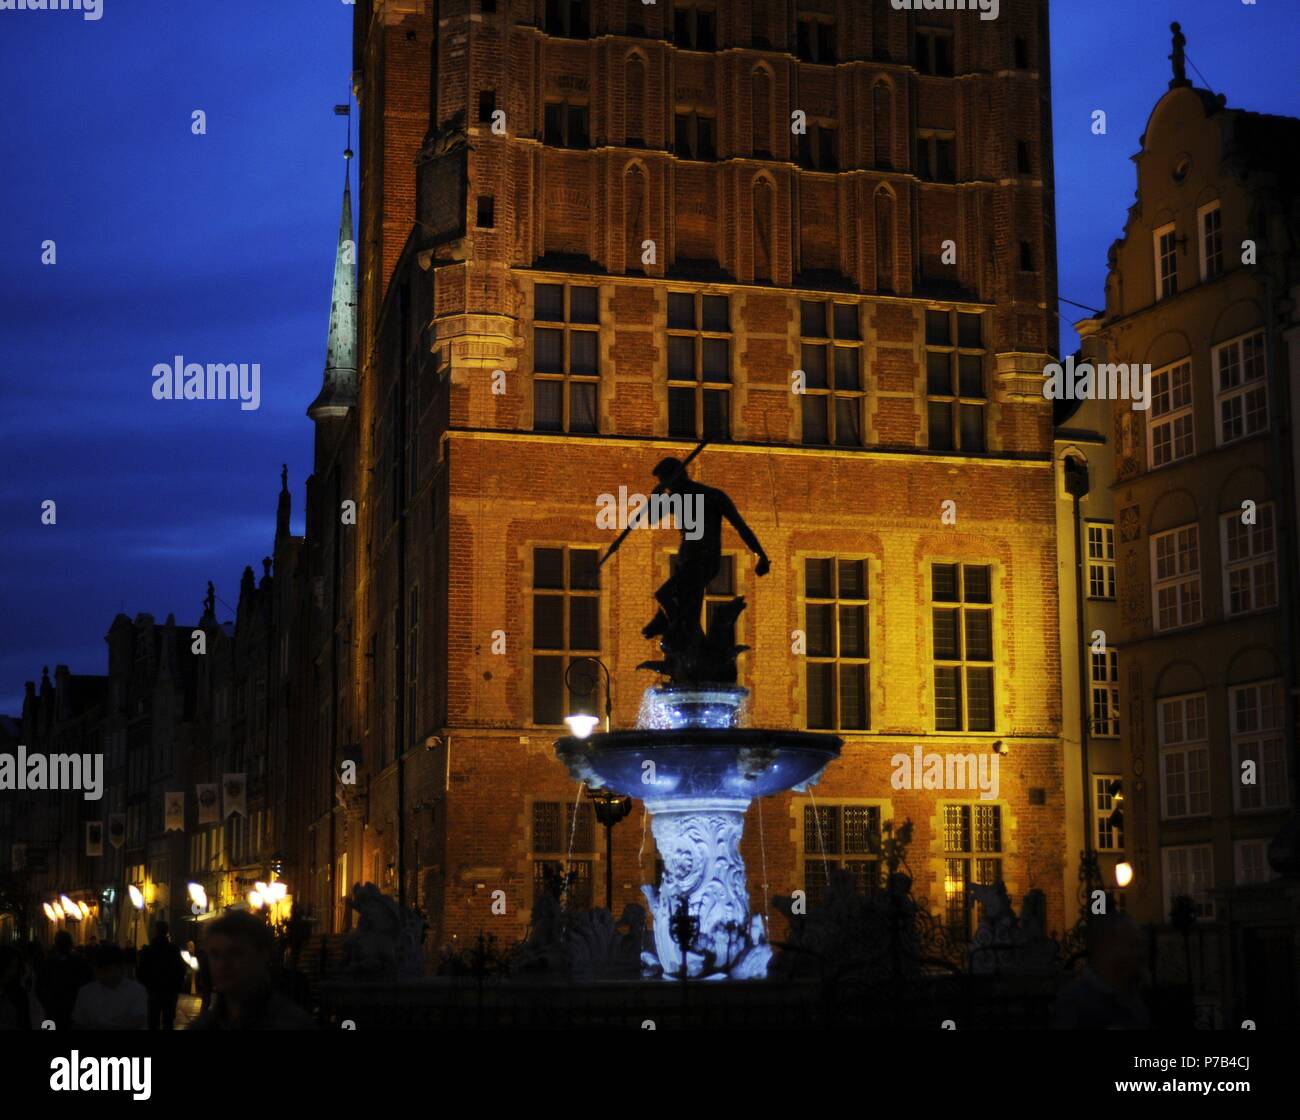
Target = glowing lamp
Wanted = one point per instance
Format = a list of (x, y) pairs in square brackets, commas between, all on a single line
[(188, 958), (85, 910), (70, 910), (50, 913), (255, 900), (1123, 874), (137, 896), (581, 725)]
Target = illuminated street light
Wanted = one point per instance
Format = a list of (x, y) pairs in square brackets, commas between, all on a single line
[(50, 912), (69, 907), (581, 725), (1123, 874), (137, 896)]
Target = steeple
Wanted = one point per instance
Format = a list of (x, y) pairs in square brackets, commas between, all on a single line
[(339, 393), (283, 506)]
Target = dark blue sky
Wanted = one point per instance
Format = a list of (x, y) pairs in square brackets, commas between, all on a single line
[(220, 248)]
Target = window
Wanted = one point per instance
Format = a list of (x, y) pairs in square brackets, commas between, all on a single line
[(934, 52), (1101, 560), (1210, 221), (934, 156), (566, 626), (1184, 757), (1024, 164), (1255, 713), (566, 358), (840, 838), (836, 627), (1105, 694), (963, 646), (972, 846), (1240, 387), (1176, 577), (1189, 872), (1250, 859), (565, 124), (1249, 561), (695, 27), (487, 105), (1106, 794), (694, 137), (1020, 54), (1171, 434), (485, 216), (833, 390), (815, 40), (699, 365), (1026, 257), (955, 396), (568, 18), (817, 146), (1166, 249), (558, 830)]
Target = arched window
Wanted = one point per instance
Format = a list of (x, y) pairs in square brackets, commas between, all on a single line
[(634, 100), (882, 117), (884, 240), (764, 230), (635, 203), (761, 136)]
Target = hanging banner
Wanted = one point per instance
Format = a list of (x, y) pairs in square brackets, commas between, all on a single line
[(174, 812), (18, 857), (117, 829), (236, 794), (94, 838), (209, 803)]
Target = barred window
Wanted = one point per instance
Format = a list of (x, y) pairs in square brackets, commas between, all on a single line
[(699, 365), (955, 393), (833, 394), (559, 830), (1101, 560), (836, 625), (566, 626), (566, 358), (972, 846), (840, 838), (962, 596)]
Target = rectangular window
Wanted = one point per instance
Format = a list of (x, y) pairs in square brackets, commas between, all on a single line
[(833, 395), (1250, 860), (485, 216), (815, 40), (1176, 577), (487, 105), (972, 848), (699, 366), (955, 393), (1249, 561), (962, 631), (1184, 757), (559, 831), (1255, 713), (840, 838), (1210, 221), (1240, 388), (565, 124), (1101, 559), (1166, 254), (1171, 434), (566, 358), (836, 626), (1109, 836), (566, 627), (818, 146), (1105, 694), (570, 19), (1189, 872), (694, 137), (695, 27), (934, 52), (935, 159)]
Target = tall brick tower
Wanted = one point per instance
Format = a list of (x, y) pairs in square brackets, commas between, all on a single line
[(593, 232)]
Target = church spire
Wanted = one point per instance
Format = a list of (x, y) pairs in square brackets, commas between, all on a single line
[(339, 392)]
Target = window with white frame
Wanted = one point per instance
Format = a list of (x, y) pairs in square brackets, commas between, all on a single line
[(1171, 435), (1108, 832), (1166, 255), (1184, 757), (1255, 713), (1240, 388), (1209, 221), (1249, 561), (1189, 871), (1250, 862), (1176, 577), (1105, 694), (1101, 560)]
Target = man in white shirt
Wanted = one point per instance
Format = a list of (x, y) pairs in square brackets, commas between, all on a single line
[(111, 1002)]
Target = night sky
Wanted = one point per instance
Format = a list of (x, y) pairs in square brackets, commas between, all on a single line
[(220, 248)]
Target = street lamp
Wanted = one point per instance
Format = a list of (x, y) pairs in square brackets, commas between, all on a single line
[(610, 808), (1123, 874), (585, 685)]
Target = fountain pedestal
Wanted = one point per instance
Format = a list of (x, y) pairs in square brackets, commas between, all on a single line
[(697, 772)]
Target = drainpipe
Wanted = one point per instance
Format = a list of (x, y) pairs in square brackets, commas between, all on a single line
[(1076, 483)]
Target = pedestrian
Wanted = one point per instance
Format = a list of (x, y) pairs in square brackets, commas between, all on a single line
[(162, 971), (58, 980), (112, 1001), (19, 1009), (239, 947)]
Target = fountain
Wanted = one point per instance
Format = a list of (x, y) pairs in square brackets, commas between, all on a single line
[(694, 765)]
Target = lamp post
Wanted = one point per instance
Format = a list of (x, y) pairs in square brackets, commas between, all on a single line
[(590, 682), (610, 809)]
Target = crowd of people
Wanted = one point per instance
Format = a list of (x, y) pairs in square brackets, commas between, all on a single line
[(100, 986)]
